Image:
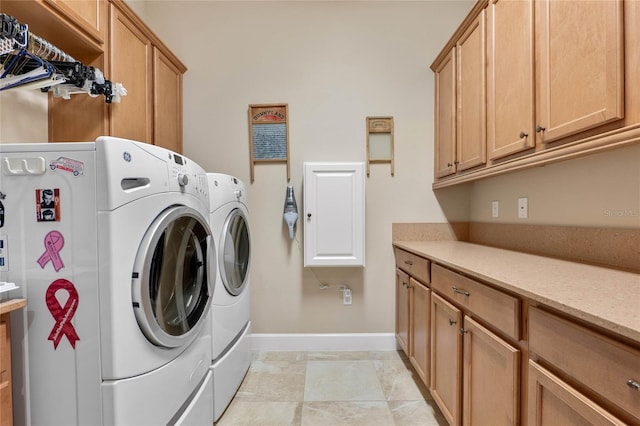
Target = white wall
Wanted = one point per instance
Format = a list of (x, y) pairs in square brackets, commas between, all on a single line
[(334, 63), (23, 116), (601, 190)]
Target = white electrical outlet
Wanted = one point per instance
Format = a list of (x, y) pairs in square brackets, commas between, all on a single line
[(346, 296), (523, 208), (495, 208)]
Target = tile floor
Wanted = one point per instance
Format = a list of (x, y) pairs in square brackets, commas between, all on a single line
[(331, 388)]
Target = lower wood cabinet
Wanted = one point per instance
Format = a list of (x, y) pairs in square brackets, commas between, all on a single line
[(446, 358), (491, 378), (605, 369), (420, 320), (6, 410), (413, 318), (475, 374), (402, 310), (493, 357), (554, 402)]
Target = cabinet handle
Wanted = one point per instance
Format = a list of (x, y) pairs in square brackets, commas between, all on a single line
[(462, 331), (523, 135), (456, 162), (451, 322), (456, 290), (539, 129), (449, 164), (633, 384), (408, 262), (404, 284)]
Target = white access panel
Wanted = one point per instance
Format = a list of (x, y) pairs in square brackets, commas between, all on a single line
[(333, 214)]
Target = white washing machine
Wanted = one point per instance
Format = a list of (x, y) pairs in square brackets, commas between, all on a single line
[(118, 273), (230, 310)]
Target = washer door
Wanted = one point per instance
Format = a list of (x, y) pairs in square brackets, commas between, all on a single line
[(235, 252), (171, 287)]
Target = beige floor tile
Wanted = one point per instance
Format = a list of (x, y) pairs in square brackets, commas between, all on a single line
[(366, 413), (281, 356), (273, 381), (352, 355), (410, 413), (330, 388), (399, 382), (260, 413), (342, 381)]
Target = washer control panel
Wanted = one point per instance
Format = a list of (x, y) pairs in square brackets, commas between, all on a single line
[(187, 176)]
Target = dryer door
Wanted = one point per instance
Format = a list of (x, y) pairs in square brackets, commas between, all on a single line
[(235, 252), (171, 286)]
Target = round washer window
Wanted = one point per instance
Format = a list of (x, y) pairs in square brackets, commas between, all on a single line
[(171, 286), (235, 247)]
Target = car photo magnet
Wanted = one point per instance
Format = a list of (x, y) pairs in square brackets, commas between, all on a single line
[(48, 205)]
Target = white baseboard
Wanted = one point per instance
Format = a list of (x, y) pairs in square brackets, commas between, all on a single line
[(323, 342)]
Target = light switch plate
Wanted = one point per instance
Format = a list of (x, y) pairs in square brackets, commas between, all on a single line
[(523, 208), (495, 208)]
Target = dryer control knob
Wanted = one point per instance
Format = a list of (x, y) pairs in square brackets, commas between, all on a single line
[(237, 193), (183, 179)]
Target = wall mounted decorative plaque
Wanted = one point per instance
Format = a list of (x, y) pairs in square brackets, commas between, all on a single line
[(269, 135)]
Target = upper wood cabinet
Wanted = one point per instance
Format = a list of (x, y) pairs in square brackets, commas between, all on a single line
[(108, 35), (510, 81), (460, 94), (152, 110), (130, 57), (90, 15), (554, 88), (79, 27), (471, 136), (445, 120), (579, 66), (167, 95)]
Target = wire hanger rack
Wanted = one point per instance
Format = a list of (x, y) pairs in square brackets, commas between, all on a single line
[(31, 62)]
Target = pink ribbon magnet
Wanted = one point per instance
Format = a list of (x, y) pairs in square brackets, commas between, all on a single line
[(53, 243)]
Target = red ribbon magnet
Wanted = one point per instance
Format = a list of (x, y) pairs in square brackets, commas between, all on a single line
[(62, 315), (53, 243)]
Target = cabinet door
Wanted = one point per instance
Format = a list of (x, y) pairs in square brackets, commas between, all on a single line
[(6, 418), (491, 378), (130, 63), (446, 358), (402, 310), (167, 95), (471, 133), (553, 402), (445, 121), (334, 214), (87, 14), (580, 66), (419, 353), (510, 77)]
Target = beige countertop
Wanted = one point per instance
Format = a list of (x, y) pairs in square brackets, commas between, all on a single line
[(605, 297)]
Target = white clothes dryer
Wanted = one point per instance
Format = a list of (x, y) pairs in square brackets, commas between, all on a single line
[(230, 310), (118, 283)]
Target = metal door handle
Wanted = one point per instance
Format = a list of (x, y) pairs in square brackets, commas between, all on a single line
[(455, 290), (633, 384)]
